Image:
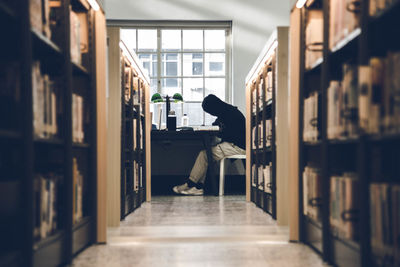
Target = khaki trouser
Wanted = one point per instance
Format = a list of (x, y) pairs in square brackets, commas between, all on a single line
[(219, 151)]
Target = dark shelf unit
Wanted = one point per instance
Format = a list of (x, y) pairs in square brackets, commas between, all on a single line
[(24, 155), (260, 157), (370, 39), (133, 135)]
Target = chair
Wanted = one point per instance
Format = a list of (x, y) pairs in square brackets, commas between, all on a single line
[(222, 171)]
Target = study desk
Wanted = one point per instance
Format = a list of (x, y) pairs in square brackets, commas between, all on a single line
[(173, 153)]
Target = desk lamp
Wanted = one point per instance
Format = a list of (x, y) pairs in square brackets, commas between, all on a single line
[(157, 98)]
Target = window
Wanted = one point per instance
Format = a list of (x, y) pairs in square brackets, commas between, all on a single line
[(187, 60)]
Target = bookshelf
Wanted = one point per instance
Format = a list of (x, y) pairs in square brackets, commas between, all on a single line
[(48, 132), (135, 86), (264, 83), (348, 133)]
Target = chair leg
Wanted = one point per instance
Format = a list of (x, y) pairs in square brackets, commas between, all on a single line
[(221, 177)]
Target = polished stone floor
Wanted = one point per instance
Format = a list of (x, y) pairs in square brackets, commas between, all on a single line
[(198, 231)]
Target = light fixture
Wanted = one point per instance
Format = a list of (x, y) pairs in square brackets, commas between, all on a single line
[(300, 3), (94, 5), (157, 98)]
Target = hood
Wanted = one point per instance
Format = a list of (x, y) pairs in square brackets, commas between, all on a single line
[(213, 105)]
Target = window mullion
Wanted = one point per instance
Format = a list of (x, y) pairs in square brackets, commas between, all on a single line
[(159, 41), (204, 73)]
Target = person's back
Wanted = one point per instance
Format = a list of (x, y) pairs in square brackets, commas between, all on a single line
[(231, 121)]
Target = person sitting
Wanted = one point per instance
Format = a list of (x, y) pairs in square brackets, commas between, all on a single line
[(232, 131)]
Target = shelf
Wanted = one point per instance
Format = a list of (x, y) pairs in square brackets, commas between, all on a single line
[(349, 141), (10, 134), (383, 138), (44, 43), (50, 141), (6, 11), (10, 258), (48, 240), (80, 5), (348, 40), (312, 221), (81, 223), (79, 69), (312, 143), (80, 145), (345, 252), (317, 64)]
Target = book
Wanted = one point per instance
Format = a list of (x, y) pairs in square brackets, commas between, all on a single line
[(44, 103), (75, 36), (77, 196), (311, 118), (46, 203), (312, 193), (313, 38), (267, 172), (344, 18), (344, 206), (78, 121)]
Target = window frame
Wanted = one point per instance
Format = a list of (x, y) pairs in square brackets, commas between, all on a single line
[(190, 25)]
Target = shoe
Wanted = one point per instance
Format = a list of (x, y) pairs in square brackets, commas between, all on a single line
[(179, 188), (193, 191)]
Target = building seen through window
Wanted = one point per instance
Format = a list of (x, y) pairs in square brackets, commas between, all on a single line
[(187, 61)]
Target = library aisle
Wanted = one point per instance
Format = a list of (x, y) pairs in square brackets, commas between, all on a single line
[(198, 231)]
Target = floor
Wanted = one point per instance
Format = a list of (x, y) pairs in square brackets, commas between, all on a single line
[(198, 231)]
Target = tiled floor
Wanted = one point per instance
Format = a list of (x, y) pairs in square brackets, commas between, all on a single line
[(198, 231)]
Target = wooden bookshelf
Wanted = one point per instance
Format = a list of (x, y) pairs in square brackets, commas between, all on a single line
[(39, 165), (262, 87), (134, 98), (348, 156)]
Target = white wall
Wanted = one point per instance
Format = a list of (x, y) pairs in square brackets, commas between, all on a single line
[(253, 22)]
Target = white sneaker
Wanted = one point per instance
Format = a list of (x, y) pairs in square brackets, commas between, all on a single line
[(193, 191), (179, 188)]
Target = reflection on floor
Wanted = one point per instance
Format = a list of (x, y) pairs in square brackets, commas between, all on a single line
[(198, 231)]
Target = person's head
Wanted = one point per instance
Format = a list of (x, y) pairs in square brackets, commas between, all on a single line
[(212, 104)]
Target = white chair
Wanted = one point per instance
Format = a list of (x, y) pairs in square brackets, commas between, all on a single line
[(222, 171)]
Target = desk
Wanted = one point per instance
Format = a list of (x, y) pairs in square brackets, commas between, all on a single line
[(173, 153)]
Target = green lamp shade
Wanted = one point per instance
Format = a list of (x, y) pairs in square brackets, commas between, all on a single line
[(156, 98), (177, 97)]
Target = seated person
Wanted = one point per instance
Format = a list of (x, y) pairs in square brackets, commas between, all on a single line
[(232, 126)]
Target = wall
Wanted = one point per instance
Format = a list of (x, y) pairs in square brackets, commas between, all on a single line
[(253, 21)]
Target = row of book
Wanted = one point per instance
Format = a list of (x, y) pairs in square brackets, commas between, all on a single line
[(78, 119), (46, 202), (45, 103), (379, 98), (344, 205), (312, 193), (132, 86), (376, 7), (258, 135), (40, 16), (77, 193), (262, 179), (310, 118), (342, 105), (263, 91), (10, 93), (385, 223), (344, 19), (314, 38), (79, 36)]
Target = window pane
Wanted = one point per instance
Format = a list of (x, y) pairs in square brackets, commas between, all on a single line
[(215, 64), (171, 40), (214, 40), (171, 65), (153, 87), (149, 62), (128, 36), (147, 40), (209, 119), (170, 86), (194, 112), (193, 39), (215, 86), (193, 89), (192, 64)]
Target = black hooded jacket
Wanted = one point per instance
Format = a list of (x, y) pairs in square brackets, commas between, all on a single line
[(231, 121)]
